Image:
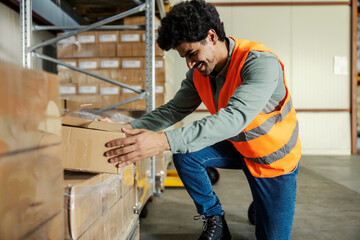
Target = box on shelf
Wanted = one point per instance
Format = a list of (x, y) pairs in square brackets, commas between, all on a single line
[(138, 49), (139, 20), (133, 63), (68, 89), (124, 49), (87, 50), (66, 47), (126, 75), (109, 89), (84, 144), (29, 108), (130, 36), (112, 74), (90, 79), (31, 189), (89, 63), (77, 100), (91, 197), (109, 63), (88, 89), (87, 37), (70, 61), (108, 36), (108, 49), (65, 76)]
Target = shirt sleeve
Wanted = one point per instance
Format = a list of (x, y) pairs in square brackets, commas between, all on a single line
[(185, 101), (260, 76)]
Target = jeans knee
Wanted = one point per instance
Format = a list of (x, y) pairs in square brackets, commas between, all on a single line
[(182, 160)]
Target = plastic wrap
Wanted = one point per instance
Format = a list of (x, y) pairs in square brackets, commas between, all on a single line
[(91, 199), (29, 108), (31, 190), (162, 161), (144, 181)]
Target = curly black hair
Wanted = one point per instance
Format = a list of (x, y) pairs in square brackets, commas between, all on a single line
[(189, 21)]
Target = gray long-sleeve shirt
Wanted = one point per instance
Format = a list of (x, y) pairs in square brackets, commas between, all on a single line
[(261, 90)]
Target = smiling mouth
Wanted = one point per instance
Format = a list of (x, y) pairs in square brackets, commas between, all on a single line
[(197, 66)]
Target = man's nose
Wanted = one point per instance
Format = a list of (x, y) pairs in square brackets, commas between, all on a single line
[(190, 63)]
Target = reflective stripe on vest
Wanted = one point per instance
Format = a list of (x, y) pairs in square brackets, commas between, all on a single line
[(270, 143)]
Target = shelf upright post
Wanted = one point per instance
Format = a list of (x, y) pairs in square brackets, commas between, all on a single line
[(26, 32), (150, 68)]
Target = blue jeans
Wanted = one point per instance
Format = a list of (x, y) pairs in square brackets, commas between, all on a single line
[(274, 198)]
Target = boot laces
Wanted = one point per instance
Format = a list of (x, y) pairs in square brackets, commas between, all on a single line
[(209, 225)]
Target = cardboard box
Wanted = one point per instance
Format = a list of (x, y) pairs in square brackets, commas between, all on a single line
[(124, 49), (88, 89), (91, 79), (139, 76), (68, 89), (133, 63), (31, 190), (89, 63), (126, 76), (109, 89), (87, 37), (112, 74), (70, 61), (109, 63), (87, 50), (130, 36), (65, 76), (108, 49), (139, 20), (89, 197), (66, 47), (29, 108), (108, 36), (84, 144), (77, 100), (113, 224), (51, 229), (138, 49)]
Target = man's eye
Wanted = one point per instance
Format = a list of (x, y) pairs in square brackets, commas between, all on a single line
[(192, 54)]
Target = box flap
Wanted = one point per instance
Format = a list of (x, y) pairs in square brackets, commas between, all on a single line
[(93, 124)]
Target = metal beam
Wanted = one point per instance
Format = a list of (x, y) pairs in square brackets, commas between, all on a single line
[(161, 8), (44, 57), (138, 2), (86, 28), (112, 27), (133, 99), (26, 36)]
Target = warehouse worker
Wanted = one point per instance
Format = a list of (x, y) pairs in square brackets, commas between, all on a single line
[(252, 126)]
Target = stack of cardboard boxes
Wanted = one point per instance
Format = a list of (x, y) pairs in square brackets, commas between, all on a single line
[(118, 55), (31, 173), (95, 201), (101, 201)]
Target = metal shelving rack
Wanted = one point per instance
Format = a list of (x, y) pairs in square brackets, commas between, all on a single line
[(29, 50)]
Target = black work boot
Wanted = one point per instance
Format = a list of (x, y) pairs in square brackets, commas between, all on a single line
[(214, 228)]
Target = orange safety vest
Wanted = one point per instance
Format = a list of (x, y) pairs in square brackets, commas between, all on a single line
[(270, 144)]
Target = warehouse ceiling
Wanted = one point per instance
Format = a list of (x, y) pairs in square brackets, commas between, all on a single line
[(90, 11)]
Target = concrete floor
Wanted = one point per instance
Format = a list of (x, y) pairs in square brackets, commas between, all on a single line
[(328, 204)]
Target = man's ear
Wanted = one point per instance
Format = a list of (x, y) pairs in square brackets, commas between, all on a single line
[(212, 36)]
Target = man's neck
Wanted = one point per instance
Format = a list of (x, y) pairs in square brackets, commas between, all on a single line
[(223, 52)]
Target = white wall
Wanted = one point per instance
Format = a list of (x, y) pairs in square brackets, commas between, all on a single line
[(306, 38), (10, 37)]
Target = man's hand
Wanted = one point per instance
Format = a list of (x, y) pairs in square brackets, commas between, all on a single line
[(138, 144)]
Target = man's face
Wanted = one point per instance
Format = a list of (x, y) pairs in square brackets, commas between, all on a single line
[(199, 55)]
